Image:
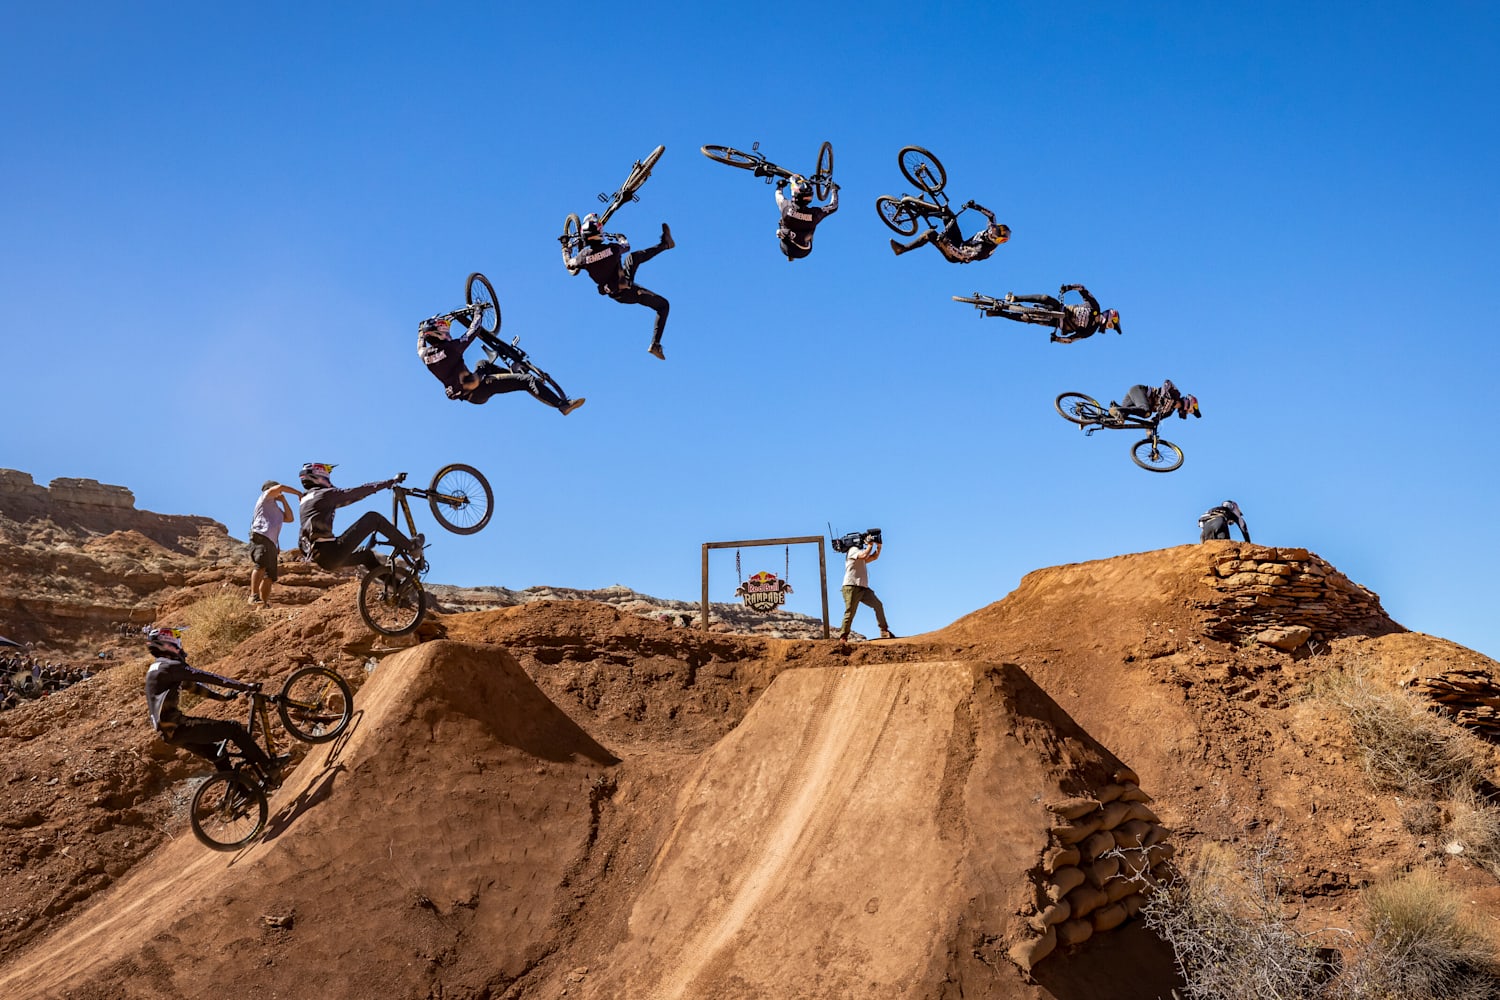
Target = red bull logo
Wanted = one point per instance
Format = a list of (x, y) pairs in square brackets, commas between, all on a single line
[(764, 592)]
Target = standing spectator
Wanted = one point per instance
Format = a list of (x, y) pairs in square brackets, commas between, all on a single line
[(271, 511), (1215, 522), (856, 588)]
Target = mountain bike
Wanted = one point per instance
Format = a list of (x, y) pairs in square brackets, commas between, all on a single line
[(484, 307), (229, 809), (391, 599), (1152, 453), (821, 178), (640, 171), (905, 214)]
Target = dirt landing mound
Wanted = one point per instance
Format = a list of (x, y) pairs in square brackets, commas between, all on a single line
[(451, 812), (872, 831)]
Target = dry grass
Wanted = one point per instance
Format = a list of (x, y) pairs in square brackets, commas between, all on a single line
[(215, 625), (1471, 829), (1420, 946), (1404, 746)]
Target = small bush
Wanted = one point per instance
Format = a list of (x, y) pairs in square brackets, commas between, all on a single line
[(1420, 947), (217, 624), (1471, 829), (1404, 746)]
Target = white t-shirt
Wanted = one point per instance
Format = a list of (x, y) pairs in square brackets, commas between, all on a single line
[(267, 519), (856, 571)]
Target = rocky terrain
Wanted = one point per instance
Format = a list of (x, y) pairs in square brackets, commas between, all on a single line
[(561, 793)]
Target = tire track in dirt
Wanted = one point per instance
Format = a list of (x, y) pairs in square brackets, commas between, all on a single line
[(835, 750)]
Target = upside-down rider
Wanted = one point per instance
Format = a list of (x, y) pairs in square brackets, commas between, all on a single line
[(799, 216), (1154, 404), (612, 265), (1079, 319), (168, 676), (950, 241), (317, 540), (444, 357)]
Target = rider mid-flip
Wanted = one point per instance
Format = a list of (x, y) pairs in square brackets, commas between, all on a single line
[(1079, 320), (1154, 404), (950, 240), (612, 265), (799, 216), (444, 357)]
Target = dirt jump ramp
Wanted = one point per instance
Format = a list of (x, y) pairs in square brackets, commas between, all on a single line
[(873, 831)]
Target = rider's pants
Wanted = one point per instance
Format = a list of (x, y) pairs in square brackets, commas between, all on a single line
[(494, 381), (202, 737), (633, 294), (345, 549)]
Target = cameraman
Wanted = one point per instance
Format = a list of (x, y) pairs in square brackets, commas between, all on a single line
[(857, 584)]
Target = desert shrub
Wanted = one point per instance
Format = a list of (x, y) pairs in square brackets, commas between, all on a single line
[(1224, 920), (216, 624), (1403, 746), (1420, 946), (1471, 828)]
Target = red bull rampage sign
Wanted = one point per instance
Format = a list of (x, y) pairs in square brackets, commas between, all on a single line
[(764, 592)]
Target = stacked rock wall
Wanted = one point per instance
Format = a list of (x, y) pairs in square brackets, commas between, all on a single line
[(1469, 697), (1284, 597), (1103, 854)]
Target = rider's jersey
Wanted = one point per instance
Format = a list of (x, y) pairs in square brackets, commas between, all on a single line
[(445, 358), (603, 263), (318, 507), (799, 221), (974, 248), (164, 680), (1080, 319)]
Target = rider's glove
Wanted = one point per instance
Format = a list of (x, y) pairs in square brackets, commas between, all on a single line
[(780, 182), (400, 478)]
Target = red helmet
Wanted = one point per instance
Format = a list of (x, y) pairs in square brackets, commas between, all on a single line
[(164, 641)]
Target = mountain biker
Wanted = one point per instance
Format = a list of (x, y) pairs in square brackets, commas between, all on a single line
[(167, 677), (444, 357), (318, 542), (951, 243), (1215, 522), (799, 216), (1154, 404), (612, 265), (1079, 320)]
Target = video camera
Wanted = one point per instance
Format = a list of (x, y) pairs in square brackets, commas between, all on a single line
[(855, 539)]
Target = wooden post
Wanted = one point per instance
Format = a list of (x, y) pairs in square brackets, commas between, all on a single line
[(752, 542)]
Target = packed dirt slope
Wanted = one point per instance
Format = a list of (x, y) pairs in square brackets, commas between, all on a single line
[(563, 799)]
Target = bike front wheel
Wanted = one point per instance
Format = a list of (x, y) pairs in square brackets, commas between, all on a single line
[(228, 811), (316, 705), (390, 605), (571, 236), (823, 176), (894, 213), (1080, 409), (478, 290), (923, 169), (1156, 455), (731, 157), (461, 498)]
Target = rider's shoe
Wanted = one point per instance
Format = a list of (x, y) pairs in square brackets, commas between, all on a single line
[(899, 248), (667, 242), (656, 352), (572, 405)]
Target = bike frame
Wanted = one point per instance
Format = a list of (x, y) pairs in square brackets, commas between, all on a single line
[(257, 711)]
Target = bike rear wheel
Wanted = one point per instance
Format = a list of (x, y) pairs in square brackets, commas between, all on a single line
[(461, 498), (228, 811), (479, 290), (389, 605), (1157, 455), (731, 157), (316, 705), (982, 301), (823, 176), (894, 213), (923, 169), (1080, 409)]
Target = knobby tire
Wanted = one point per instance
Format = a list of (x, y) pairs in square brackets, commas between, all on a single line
[(1168, 455), (894, 213), (389, 608), (316, 705), (1079, 409), (479, 289), (228, 811), (823, 176), (731, 157), (472, 500), (923, 169)]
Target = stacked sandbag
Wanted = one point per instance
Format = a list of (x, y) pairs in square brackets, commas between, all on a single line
[(1104, 854), (1284, 597)]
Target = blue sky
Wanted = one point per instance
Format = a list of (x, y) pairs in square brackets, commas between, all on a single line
[(232, 217)]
